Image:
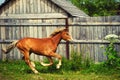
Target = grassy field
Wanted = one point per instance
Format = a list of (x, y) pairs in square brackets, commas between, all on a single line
[(18, 70)]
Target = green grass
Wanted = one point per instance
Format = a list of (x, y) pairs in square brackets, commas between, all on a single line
[(18, 70)]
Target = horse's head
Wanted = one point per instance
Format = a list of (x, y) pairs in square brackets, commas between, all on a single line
[(66, 36)]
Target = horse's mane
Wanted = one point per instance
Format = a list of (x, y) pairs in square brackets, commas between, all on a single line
[(58, 30)]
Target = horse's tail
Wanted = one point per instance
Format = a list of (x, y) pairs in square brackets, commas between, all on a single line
[(11, 46)]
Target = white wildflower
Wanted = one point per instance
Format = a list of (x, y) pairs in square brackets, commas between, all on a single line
[(111, 36)]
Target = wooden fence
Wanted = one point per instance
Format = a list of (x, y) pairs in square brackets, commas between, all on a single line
[(88, 34)]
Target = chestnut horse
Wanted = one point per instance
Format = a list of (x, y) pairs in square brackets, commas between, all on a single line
[(40, 46)]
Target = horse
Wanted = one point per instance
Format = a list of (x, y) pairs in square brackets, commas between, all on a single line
[(40, 46)]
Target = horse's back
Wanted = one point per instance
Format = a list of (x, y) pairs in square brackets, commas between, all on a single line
[(32, 41)]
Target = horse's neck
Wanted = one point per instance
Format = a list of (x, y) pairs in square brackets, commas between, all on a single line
[(56, 39)]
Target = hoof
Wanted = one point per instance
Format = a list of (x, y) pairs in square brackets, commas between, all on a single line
[(58, 66), (36, 72)]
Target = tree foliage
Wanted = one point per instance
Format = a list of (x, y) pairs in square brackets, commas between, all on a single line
[(97, 7)]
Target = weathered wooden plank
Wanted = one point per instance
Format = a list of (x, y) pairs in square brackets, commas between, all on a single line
[(45, 5), (31, 6), (39, 6), (96, 24), (96, 46), (75, 41), (10, 8), (35, 6), (21, 6), (13, 7), (17, 7), (2, 45), (49, 6), (27, 6), (58, 24), (31, 24), (92, 41), (34, 16)]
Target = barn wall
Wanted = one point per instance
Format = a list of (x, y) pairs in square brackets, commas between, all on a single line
[(30, 7)]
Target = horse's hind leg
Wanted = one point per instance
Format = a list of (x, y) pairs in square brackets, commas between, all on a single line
[(28, 62), (44, 64), (33, 64)]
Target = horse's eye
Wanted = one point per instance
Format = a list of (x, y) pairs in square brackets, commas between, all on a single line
[(67, 34)]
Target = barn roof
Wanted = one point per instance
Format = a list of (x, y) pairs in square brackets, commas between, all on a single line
[(67, 6), (70, 8)]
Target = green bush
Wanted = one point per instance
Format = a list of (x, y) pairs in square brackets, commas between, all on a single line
[(76, 63), (112, 58)]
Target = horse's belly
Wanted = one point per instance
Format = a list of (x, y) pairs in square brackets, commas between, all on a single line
[(44, 52)]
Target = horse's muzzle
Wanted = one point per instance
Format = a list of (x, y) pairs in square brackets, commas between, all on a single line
[(71, 40)]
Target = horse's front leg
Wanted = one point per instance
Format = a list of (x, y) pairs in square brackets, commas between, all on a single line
[(59, 64), (44, 64), (59, 58)]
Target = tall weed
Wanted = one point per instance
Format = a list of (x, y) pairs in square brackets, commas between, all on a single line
[(113, 59)]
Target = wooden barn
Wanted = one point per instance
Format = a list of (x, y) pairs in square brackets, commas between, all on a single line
[(38, 18), (34, 18)]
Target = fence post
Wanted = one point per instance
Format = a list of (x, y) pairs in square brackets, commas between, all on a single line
[(67, 43)]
